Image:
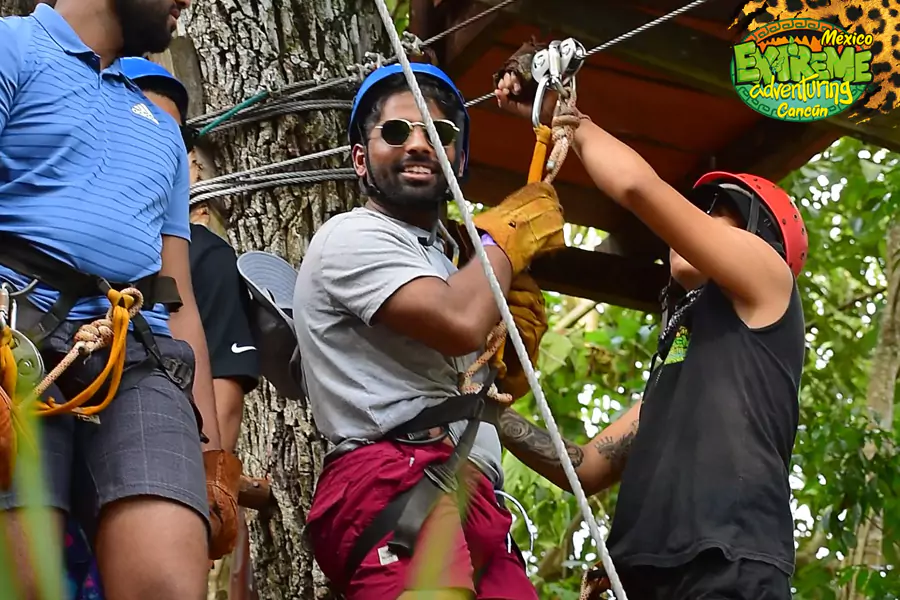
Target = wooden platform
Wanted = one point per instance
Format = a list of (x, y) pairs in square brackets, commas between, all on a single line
[(666, 92)]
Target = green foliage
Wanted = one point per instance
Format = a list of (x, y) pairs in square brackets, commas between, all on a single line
[(593, 372)]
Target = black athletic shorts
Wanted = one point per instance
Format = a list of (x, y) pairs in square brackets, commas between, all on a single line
[(709, 576)]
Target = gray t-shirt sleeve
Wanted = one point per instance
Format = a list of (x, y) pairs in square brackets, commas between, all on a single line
[(365, 261)]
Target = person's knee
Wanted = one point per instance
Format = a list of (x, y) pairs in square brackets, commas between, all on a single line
[(15, 528), (152, 548)]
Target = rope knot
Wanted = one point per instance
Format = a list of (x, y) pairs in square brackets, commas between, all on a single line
[(565, 121), (95, 335), (467, 386)]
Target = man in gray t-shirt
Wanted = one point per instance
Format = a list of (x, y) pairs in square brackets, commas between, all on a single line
[(386, 326)]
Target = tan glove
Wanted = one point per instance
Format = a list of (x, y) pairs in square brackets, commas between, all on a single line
[(526, 224), (223, 483), (526, 303)]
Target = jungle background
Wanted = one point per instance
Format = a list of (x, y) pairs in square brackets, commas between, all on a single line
[(594, 358)]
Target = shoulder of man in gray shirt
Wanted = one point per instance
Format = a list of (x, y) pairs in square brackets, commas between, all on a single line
[(363, 379)]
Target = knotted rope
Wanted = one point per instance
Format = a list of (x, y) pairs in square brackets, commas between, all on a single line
[(112, 331), (466, 386), (565, 122), (566, 119)]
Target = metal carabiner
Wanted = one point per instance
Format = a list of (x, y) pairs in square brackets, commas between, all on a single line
[(555, 66), (538, 102)]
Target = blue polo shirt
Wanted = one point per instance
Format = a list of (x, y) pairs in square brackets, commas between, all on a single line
[(90, 169)]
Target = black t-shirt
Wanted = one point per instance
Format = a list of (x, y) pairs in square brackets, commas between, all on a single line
[(709, 465), (222, 299)]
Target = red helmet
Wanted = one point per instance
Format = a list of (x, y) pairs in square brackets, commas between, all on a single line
[(780, 215)]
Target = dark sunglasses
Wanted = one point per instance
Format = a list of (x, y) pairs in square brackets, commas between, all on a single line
[(395, 132), (189, 135)]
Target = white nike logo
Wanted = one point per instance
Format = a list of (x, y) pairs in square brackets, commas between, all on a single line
[(238, 349)]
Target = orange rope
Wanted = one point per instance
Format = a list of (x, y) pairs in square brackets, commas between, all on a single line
[(109, 331), (542, 140), (562, 131), (112, 329)]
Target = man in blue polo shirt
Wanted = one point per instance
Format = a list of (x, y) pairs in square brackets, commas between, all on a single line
[(94, 184)]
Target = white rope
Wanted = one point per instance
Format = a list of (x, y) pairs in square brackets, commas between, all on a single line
[(512, 331)]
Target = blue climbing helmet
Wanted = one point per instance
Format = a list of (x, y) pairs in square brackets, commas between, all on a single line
[(145, 72), (369, 87)]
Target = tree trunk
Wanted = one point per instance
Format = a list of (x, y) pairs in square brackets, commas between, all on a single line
[(880, 398), (244, 48), (16, 7)]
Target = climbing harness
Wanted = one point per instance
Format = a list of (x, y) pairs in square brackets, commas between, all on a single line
[(22, 371), (512, 331)]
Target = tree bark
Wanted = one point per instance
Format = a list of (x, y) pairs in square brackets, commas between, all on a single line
[(880, 398), (244, 48), (10, 8)]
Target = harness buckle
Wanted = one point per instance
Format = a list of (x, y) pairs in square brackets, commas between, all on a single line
[(178, 371), (443, 477), (29, 362)]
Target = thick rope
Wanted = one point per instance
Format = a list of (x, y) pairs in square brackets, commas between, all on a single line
[(112, 330), (512, 331), (565, 122), (466, 386), (109, 331)]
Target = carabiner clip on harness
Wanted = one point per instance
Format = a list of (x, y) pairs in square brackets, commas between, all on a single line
[(554, 67)]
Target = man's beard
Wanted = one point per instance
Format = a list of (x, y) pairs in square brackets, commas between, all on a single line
[(145, 26), (410, 194)]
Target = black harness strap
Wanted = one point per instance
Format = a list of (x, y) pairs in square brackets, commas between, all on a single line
[(25, 258), (406, 513)]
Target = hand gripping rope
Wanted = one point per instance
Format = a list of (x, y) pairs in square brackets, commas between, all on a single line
[(501, 302)]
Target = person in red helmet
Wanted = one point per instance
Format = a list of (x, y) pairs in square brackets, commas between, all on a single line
[(703, 510)]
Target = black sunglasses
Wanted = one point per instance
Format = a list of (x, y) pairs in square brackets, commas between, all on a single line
[(395, 132)]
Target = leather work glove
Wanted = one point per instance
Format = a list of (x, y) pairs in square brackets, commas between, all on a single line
[(528, 223), (223, 482), (526, 303), (519, 64)]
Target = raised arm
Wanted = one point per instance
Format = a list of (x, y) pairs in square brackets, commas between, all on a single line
[(598, 464), (743, 264), (748, 269)]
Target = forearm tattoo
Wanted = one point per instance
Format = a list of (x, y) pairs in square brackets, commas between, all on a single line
[(616, 450), (528, 441)]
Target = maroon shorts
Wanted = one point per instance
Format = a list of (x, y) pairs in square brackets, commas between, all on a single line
[(354, 488)]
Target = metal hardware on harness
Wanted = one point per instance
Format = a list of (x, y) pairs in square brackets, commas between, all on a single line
[(29, 363), (555, 66)]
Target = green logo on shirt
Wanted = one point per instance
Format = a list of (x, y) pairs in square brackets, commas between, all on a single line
[(679, 346)]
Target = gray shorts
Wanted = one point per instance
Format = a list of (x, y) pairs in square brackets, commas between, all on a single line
[(147, 441)]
